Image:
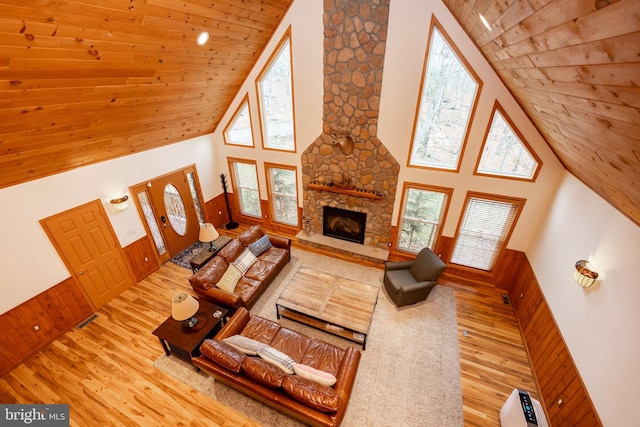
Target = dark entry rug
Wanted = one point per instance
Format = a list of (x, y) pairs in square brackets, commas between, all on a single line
[(182, 259)]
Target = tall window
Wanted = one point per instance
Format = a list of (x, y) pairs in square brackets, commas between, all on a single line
[(238, 132), (486, 224), (504, 152), (448, 96), (422, 214), (245, 182), (283, 193), (275, 96)]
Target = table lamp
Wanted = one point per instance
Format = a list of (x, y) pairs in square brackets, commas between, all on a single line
[(184, 307), (208, 234)]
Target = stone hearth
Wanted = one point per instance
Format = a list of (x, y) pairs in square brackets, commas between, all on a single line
[(347, 166)]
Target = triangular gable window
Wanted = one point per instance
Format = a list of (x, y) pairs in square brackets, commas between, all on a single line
[(239, 130), (505, 153)]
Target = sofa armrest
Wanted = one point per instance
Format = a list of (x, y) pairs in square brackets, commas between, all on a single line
[(347, 372), (280, 242), (399, 265), (235, 325), (221, 297)]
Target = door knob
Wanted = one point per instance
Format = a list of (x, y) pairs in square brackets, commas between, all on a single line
[(162, 218), (80, 273)]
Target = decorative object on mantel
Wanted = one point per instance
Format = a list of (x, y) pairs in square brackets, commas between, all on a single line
[(121, 203), (585, 275), (345, 184), (231, 224), (356, 192), (342, 138)]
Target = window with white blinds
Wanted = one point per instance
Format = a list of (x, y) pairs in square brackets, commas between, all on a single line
[(483, 231)]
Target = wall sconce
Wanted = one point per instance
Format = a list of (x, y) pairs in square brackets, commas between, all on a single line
[(120, 204), (585, 274)]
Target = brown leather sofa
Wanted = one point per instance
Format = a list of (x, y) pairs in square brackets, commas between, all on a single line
[(306, 400), (254, 281)]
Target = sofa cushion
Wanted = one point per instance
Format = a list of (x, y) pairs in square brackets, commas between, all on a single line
[(263, 372), (292, 343), (316, 375), (260, 329), (323, 356), (261, 270), (244, 261), (277, 358), (260, 245), (223, 354), (251, 235), (317, 396), (209, 274), (427, 266), (232, 251), (229, 279), (244, 344)]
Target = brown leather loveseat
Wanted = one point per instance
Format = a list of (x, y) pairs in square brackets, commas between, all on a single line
[(243, 269), (315, 403)]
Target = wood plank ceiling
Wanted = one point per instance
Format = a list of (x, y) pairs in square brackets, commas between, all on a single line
[(83, 81), (574, 66)]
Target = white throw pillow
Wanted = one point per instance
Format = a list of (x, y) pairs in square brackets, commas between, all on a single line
[(278, 358), (229, 279), (244, 261), (244, 344), (314, 374)]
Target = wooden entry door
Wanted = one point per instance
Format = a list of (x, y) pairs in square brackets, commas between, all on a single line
[(174, 210), (89, 248)]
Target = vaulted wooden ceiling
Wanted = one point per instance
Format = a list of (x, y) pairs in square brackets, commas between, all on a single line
[(83, 81), (574, 66)]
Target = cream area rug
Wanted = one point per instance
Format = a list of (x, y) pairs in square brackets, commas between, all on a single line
[(409, 375)]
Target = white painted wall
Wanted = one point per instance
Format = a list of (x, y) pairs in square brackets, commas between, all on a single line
[(28, 261), (598, 324)]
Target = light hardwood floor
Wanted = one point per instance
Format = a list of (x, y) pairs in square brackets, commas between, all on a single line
[(105, 370)]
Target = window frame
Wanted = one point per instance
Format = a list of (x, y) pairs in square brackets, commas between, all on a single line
[(498, 108), (261, 110), (448, 192), (237, 189), (234, 118), (267, 168), (463, 143), (518, 202)]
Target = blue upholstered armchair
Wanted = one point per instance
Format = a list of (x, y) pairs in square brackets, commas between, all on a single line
[(408, 282)]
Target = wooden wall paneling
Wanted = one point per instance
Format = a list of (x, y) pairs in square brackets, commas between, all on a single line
[(216, 211), (562, 391), (142, 258), (54, 312)]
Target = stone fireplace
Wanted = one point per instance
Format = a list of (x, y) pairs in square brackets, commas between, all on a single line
[(347, 166)]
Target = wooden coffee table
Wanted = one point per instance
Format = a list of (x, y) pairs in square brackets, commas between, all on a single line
[(334, 304), (185, 343)]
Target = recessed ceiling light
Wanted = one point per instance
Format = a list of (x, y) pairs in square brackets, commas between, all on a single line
[(203, 37), (485, 22)]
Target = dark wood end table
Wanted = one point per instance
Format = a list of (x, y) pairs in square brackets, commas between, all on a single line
[(205, 255), (185, 343)]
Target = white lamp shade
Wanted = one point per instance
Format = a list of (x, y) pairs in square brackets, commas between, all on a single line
[(208, 233), (183, 306)]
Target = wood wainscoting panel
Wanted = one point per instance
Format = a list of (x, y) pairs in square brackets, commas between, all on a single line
[(35, 323), (216, 211), (563, 393), (142, 257)]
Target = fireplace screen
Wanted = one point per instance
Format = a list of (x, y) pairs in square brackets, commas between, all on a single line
[(343, 224)]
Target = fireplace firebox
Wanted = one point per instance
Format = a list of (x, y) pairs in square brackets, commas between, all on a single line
[(343, 224)]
